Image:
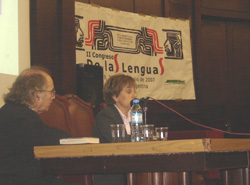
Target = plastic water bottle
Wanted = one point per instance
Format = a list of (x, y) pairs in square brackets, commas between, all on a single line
[(136, 121)]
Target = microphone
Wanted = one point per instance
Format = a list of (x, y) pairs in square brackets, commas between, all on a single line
[(142, 101)]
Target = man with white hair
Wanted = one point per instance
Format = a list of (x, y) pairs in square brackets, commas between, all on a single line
[(21, 129)]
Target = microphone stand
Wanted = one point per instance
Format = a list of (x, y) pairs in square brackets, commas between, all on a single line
[(145, 108)]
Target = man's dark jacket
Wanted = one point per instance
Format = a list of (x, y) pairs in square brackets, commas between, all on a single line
[(20, 130)]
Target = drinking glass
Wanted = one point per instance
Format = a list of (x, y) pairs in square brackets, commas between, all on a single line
[(118, 133), (161, 133), (148, 132)]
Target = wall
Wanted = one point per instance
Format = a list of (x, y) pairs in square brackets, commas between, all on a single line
[(14, 45), (220, 43)]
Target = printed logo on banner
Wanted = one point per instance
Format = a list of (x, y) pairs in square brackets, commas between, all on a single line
[(173, 44), (117, 39), (79, 33)]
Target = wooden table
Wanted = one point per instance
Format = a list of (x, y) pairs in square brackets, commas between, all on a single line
[(156, 156)]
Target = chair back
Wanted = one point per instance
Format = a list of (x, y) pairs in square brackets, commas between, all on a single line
[(58, 114), (81, 115)]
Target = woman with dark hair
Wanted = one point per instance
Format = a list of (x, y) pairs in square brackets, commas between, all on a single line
[(118, 91)]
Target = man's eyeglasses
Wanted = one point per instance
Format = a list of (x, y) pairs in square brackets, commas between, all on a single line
[(52, 92)]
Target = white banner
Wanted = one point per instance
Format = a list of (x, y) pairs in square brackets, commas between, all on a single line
[(155, 51)]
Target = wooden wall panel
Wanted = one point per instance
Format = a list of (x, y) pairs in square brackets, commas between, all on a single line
[(211, 70), (149, 7), (67, 49), (212, 66), (178, 8), (231, 5), (221, 66), (239, 64), (124, 5), (52, 41), (45, 36)]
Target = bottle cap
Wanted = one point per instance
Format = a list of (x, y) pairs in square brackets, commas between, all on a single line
[(135, 100)]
